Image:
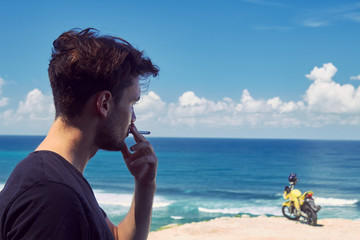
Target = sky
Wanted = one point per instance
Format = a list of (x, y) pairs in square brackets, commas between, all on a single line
[(228, 69)]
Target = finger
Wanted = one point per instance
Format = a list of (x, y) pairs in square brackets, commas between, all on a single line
[(125, 151), (142, 146), (143, 160), (137, 136), (139, 154)]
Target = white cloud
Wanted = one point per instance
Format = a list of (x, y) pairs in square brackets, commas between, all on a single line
[(192, 110), (323, 74), (326, 96), (149, 106), (3, 101), (2, 82), (314, 23), (189, 99), (325, 102), (37, 107), (354, 16), (249, 104), (275, 105), (355, 77), (9, 117), (326, 16), (291, 107)]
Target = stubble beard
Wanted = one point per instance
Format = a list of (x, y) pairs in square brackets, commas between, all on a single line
[(107, 139)]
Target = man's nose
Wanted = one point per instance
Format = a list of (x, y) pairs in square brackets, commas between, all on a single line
[(133, 116)]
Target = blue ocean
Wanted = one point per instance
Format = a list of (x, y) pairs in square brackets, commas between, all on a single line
[(200, 179)]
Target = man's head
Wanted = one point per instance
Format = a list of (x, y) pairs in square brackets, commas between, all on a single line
[(83, 63)]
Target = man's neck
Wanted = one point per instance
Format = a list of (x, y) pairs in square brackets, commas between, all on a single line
[(72, 143)]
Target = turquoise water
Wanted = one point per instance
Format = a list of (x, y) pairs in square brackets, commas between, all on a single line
[(200, 179)]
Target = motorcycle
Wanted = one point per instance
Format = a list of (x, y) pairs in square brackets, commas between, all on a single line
[(299, 205)]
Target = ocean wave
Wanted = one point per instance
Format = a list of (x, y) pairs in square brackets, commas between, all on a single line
[(239, 194), (125, 200), (276, 211), (106, 198), (2, 186), (177, 217), (338, 202)]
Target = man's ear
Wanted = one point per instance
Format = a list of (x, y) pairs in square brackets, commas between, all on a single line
[(103, 102)]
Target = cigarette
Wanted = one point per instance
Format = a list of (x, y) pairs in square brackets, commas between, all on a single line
[(144, 132)]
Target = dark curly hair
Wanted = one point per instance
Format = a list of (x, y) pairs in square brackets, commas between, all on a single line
[(83, 63)]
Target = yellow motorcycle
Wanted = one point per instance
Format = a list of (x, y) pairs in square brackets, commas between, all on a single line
[(299, 205)]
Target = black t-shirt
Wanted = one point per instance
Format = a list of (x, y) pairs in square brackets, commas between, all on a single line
[(46, 197)]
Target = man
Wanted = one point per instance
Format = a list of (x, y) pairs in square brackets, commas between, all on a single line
[(95, 83)]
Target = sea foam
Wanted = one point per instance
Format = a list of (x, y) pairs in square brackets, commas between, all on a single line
[(276, 211), (107, 198), (125, 199), (335, 201)]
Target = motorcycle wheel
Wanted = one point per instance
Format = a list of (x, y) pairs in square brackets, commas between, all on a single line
[(288, 214), (312, 217)]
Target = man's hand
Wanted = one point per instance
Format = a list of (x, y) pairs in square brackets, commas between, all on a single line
[(142, 161), (142, 164)]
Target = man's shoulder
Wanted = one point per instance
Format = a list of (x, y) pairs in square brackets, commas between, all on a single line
[(26, 173), (47, 165), (42, 169), (47, 193), (36, 163)]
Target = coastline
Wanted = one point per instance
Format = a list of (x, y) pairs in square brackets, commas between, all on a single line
[(267, 228)]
